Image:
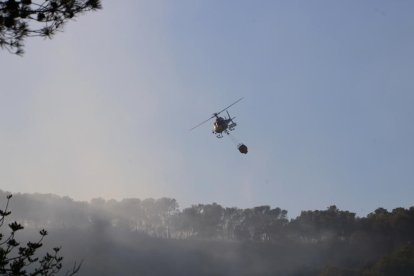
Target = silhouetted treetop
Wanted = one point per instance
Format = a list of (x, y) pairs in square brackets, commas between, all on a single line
[(17, 258), (28, 18), (317, 242)]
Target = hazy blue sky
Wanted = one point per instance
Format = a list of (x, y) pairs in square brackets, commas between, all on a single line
[(104, 109)]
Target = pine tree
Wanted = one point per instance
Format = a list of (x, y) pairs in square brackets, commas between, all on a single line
[(27, 18)]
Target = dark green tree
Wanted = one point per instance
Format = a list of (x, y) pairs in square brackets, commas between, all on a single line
[(20, 19), (17, 259), (400, 262)]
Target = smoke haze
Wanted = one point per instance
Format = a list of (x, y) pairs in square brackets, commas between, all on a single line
[(155, 237)]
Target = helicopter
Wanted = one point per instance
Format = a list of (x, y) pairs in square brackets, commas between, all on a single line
[(221, 124)]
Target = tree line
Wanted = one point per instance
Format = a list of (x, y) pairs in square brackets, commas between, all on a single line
[(319, 242), (162, 218)]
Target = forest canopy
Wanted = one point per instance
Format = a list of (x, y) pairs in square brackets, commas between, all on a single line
[(318, 242)]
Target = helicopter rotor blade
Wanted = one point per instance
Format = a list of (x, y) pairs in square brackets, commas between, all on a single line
[(203, 122), (230, 105), (217, 113)]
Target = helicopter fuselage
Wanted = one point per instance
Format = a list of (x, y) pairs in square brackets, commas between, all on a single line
[(220, 125), (223, 125)]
